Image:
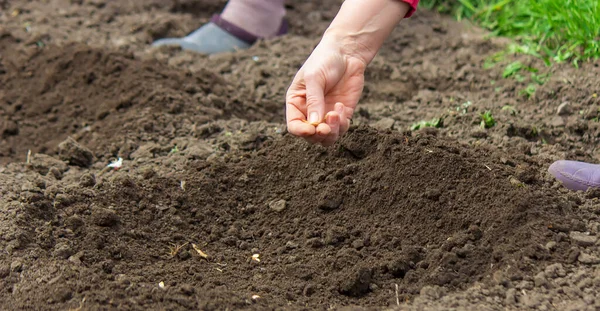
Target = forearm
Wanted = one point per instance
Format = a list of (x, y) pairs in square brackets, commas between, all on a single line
[(363, 25)]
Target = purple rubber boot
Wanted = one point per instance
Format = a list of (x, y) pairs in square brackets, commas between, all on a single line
[(576, 175)]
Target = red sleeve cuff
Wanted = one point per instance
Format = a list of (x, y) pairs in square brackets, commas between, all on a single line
[(413, 7)]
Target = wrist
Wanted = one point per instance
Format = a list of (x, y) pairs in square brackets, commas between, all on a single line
[(361, 27), (348, 44)]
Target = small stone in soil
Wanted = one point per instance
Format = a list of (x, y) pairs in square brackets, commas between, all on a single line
[(278, 205), (329, 203), (583, 239), (564, 109), (291, 245), (384, 124), (358, 243), (588, 259)]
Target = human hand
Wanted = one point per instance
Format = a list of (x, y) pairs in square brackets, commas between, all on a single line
[(324, 93)]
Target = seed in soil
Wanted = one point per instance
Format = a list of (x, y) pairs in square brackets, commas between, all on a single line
[(315, 124)]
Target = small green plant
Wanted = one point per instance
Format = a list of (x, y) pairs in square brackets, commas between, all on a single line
[(529, 91), (510, 109), (493, 60), (534, 131), (435, 122), (540, 78), (512, 69), (487, 120), (464, 107), (174, 150)]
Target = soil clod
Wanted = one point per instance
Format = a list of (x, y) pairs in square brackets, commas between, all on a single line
[(74, 153), (278, 205), (104, 217), (356, 282)]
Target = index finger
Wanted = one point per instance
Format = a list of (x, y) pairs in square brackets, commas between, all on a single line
[(296, 121)]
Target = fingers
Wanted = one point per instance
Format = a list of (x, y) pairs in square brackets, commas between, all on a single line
[(338, 124), (323, 130), (315, 97), (327, 133), (345, 116), (295, 122), (305, 107), (333, 120), (294, 114)]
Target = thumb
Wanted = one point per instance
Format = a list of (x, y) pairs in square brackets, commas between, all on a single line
[(315, 98)]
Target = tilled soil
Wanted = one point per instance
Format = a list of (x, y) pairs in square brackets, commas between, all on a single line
[(217, 207)]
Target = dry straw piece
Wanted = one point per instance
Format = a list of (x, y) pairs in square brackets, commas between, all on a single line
[(199, 251)]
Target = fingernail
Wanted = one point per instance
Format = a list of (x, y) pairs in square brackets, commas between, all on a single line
[(313, 117)]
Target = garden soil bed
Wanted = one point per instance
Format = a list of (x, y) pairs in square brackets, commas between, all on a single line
[(217, 207)]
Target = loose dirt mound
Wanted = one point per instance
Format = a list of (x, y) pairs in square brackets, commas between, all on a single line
[(109, 101), (331, 227)]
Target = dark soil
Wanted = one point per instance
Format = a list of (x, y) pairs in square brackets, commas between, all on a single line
[(107, 101), (208, 165)]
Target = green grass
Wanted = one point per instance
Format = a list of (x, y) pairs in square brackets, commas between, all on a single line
[(553, 30)]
